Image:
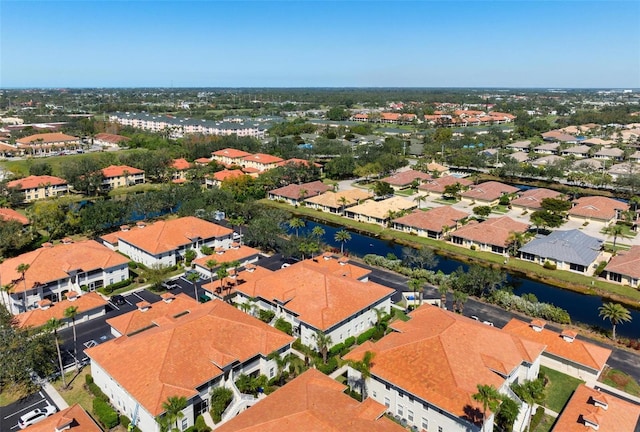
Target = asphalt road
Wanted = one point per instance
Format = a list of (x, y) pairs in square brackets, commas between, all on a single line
[(10, 414)]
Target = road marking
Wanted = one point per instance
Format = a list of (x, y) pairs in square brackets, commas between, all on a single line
[(112, 304), (26, 408), (141, 298)]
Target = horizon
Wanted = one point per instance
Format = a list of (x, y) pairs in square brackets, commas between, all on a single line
[(320, 44)]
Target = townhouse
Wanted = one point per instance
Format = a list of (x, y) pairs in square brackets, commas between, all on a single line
[(179, 169), (434, 223), (426, 371), (380, 212), (337, 202), (72, 419), (243, 255), (438, 185), (88, 306), (165, 242), (116, 176), (531, 199), (406, 179), (597, 209), (229, 156), (39, 187), (580, 151), (217, 178), (295, 194), (55, 271), (624, 267), (47, 143), (488, 193), (259, 162), (184, 355), (610, 153), (110, 140), (492, 235)]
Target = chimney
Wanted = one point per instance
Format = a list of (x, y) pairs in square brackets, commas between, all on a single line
[(168, 297), (72, 296)]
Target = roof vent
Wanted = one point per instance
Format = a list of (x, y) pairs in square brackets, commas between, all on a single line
[(591, 421), (124, 228), (72, 296), (141, 224), (67, 240), (537, 325), (569, 335), (600, 401), (143, 306), (45, 304), (47, 245), (168, 297)]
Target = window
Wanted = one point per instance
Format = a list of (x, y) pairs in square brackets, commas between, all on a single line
[(615, 277), (410, 415), (375, 394), (425, 423), (439, 428), (387, 402), (271, 373), (184, 424), (400, 410)]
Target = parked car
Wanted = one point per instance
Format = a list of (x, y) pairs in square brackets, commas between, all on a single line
[(204, 298), (36, 415), (118, 300), (169, 285)]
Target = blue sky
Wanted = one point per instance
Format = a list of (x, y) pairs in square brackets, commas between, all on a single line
[(320, 43)]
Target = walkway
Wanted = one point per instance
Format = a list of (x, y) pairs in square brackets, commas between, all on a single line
[(55, 396)]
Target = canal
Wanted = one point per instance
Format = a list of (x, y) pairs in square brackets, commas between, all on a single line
[(582, 308)]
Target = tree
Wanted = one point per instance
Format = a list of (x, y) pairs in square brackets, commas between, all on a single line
[(342, 237), (530, 392), (507, 414), (193, 278), (423, 258), (71, 312), (237, 222), (417, 286), (555, 205), (323, 342), (337, 113), (459, 299), (452, 190), (53, 325), (22, 269), (173, 407), (515, 240), (296, 223), (222, 273), (544, 219), (482, 211), (189, 256), (211, 264), (443, 289), (615, 313), (490, 399), (616, 231), (419, 198), (364, 367), (381, 188)]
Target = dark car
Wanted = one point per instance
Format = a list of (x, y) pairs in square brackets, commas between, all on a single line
[(118, 300)]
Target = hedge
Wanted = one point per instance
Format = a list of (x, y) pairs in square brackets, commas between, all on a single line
[(365, 336), (114, 286), (332, 365), (284, 326), (266, 315), (106, 415), (95, 390), (350, 341), (537, 418), (221, 397)]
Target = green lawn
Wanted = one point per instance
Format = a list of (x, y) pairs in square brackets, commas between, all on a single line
[(559, 389), (620, 380), (406, 192), (444, 201), (398, 314), (546, 424), (76, 392), (500, 209)]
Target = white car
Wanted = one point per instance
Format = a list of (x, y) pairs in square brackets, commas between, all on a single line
[(36, 415)]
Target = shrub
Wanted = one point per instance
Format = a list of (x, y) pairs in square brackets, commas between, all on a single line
[(266, 315), (332, 365), (124, 421), (95, 390), (365, 336), (473, 247), (84, 288), (200, 425), (114, 286), (284, 326), (206, 250), (221, 397), (106, 415), (537, 418), (336, 349), (549, 265), (132, 265), (348, 342), (88, 379), (601, 265)]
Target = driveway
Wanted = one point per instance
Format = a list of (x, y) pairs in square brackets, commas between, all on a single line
[(10, 414)]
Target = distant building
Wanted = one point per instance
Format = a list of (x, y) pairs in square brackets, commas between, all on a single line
[(110, 140), (294, 194), (567, 250), (46, 144), (116, 176)]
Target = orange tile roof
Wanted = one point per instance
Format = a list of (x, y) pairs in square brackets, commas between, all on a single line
[(137, 320), (112, 138), (119, 170), (297, 161), (51, 263), (493, 231), (322, 293), (75, 417), (46, 138), (227, 174), (203, 160), (184, 352), (39, 317), (532, 198), (433, 220), (7, 214), (405, 178), (180, 164), (441, 357), (332, 199), (597, 207), (578, 351), (438, 185), (228, 255), (33, 182), (231, 153), (293, 190), (167, 235), (489, 191), (620, 415), (263, 158), (312, 402), (626, 263)]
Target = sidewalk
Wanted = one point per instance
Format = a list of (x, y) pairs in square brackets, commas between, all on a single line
[(55, 396)]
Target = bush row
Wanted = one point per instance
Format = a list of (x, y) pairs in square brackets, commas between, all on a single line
[(107, 416), (221, 397), (114, 286), (95, 390), (547, 311)]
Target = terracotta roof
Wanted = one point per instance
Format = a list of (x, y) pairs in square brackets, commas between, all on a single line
[(405, 178), (312, 402), (321, 292), (75, 417), (597, 207), (493, 231), (33, 182), (532, 198), (203, 160), (180, 164), (297, 161), (438, 185), (39, 317), (332, 199), (434, 166), (441, 357), (119, 171), (293, 190), (228, 255), (231, 153), (227, 174), (433, 220), (46, 138), (137, 320), (578, 351), (620, 415), (167, 235), (489, 191), (112, 138), (263, 158), (626, 263), (380, 209), (558, 136), (51, 263), (184, 352), (7, 214)]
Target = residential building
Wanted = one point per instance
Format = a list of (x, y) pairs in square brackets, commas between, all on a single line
[(559, 136), (587, 165), (295, 194), (229, 156), (437, 185), (563, 351), (260, 162), (546, 160), (568, 250), (312, 402), (531, 199), (624, 267), (519, 156), (116, 176), (217, 178), (72, 419), (580, 151), (7, 214), (39, 187), (598, 142), (434, 223), (609, 153), (321, 294), (405, 179), (165, 242), (435, 168), (597, 209), (623, 169), (89, 305), (184, 355), (548, 148), (522, 146), (242, 254), (55, 271), (427, 370), (46, 144), (492, 235), (111, 140), (379, 212), (179, 169), (488, 193), (590, 409), (337, 202)]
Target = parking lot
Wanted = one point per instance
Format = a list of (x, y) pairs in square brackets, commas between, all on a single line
[(10, 414)]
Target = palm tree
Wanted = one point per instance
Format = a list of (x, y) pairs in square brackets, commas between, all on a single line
[(22, 269), (419, 198), (343, 202), (364, 367), (222, 273), (616, 231), (317, 231), (53, 325), (530, 392), (296, 223), (489, 397), (211, 264), (616, 313), (443, 289), (459, 299), (515, 240), (323, 341), (342, 237), (417, 286), (281, 364), (71, 313), (193, 278), (173, 407), (237, 222)]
